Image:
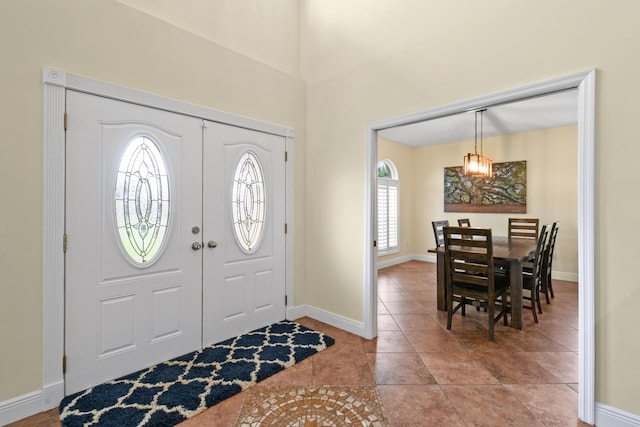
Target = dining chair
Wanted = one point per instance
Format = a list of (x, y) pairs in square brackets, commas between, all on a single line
[(532, 279), (437, 231), (469, 275), (523, 228), (464, 222), (547, 285)]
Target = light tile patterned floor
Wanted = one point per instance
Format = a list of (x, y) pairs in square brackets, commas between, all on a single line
[(427, 376)]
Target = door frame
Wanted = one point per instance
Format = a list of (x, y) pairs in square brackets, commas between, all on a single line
[(585, 83), (55, 84)]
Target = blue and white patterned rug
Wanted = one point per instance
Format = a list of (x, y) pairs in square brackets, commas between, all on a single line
[(170, 392)]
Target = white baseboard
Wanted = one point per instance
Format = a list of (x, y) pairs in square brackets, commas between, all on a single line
[(563, 275), (406, 258), (52, 395), (608, 416), (340, 322), (20, 407)]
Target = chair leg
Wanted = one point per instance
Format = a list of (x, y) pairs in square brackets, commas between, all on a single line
[(546, 283), (449, 310), (538, 300), (491, 318), (550, 286), (533, 305), (505, 309)]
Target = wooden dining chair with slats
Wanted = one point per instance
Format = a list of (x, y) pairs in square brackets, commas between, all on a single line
[(532, 279), (524, 228), (469, 274), (437, 231), (547, 285)]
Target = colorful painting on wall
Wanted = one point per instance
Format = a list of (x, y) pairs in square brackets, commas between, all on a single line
[(505, 192)]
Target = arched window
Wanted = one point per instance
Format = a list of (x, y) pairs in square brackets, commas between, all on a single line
[(388, 208)]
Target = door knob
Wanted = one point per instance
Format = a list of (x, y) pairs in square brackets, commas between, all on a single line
[(212, 244), (196, 246)]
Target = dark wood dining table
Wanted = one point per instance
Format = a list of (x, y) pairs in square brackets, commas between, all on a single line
[(510, 253)]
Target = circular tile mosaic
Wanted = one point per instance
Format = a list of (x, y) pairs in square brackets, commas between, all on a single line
[(298, 406)]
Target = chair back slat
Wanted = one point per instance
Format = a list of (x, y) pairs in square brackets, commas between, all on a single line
[(467, 255)]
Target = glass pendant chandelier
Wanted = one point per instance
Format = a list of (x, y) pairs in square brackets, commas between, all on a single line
[(476, 164)]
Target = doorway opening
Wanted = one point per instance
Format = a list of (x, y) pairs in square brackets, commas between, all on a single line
[(584, 83)]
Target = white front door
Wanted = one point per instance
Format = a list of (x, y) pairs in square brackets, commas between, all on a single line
[(175, 236), (244, 230), (133, 281)]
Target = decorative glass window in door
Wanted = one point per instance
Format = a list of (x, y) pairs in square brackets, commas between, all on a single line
[(248, 202), (142, 201)]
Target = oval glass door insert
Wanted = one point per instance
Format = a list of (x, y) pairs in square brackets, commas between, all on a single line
[(142, 201), (248, 202)]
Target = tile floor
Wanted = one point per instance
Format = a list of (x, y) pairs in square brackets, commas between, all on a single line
[(428, 376)]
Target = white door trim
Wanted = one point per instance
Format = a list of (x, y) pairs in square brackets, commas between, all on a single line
[(55, 84), (584, 82)]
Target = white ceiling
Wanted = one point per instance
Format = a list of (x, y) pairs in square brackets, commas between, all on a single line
[(549, 111)]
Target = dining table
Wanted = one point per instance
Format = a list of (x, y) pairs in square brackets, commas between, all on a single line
[(509, 253)]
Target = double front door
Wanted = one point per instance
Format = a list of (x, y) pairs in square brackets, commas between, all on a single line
[(175, 236)]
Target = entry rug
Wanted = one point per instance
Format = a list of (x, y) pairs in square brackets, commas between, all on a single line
[(170, 392)]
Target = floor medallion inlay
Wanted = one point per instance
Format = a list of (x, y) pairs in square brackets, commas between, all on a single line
[(299, 406)]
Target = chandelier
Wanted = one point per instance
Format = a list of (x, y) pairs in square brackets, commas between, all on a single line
[(476, 164)]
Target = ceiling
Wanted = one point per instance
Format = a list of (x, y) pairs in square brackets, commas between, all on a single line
[(543, 112)]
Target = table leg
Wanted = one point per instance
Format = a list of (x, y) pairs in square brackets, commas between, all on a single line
[(516, 294), (440, 291)]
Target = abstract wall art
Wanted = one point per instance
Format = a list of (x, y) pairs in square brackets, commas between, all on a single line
[(505, 192)]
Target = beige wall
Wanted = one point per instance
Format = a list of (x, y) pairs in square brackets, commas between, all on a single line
[(552, 188), (363, 60), (367, 60), (108, 41), (264, 31)]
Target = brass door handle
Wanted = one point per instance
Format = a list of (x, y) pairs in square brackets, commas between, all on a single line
[(212, 244), (196, 246)]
